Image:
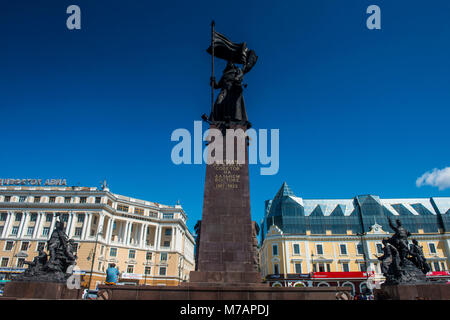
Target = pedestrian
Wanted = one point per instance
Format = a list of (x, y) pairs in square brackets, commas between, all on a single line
[(112, 274)]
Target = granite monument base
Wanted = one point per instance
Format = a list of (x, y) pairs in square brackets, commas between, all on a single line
[(190, 291), (40, 290), (426, 291)]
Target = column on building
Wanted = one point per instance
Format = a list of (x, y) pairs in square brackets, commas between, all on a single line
[(100, 225), (157, 237), (52, 226), (144, 236), (37, 225), (172, 238), (141, 238), (73, 224), (7, 224), (130, 231), (23, 224), (89, 225), (307, 256), (85, 226), (69, 223), (125, 236), (109, 230)]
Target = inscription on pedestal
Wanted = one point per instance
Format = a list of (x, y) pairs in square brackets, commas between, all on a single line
[(227, 177)]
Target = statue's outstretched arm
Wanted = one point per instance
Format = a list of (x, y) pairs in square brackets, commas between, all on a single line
[(391, 224)]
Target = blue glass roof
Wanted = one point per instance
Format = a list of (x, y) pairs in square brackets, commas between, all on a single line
[(293, 214)]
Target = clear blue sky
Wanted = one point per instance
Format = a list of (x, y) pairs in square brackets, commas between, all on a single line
[(359, 111)]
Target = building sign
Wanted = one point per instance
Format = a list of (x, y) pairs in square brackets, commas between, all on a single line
[(134, 276), (33, 182)]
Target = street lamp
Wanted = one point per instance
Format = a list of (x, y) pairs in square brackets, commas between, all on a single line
[(93, 257), (362, 234), (145, 269), (312, 264)]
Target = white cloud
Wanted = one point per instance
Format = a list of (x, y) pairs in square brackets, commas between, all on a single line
[(436, 178)]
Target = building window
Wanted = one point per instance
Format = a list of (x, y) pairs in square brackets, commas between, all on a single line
[(320, 267), (148, 256), (343, 248), (443, 267), (138, 211), (132, 254), (20, 262), (1, 230), (436, 266), (14, 231), (37, 199), (22, 198), (33, 217), (98, 199), (7, 198), (45, 231), (67, 199), (168, 232), (9, 245), (168, 216), (276, 269), (78, 231), (162, 271), (359, 249), (52, 199), (166, 244), (80, 218), (319, 249), (432, 247), (18, 216), (30, 231), (379, 248), (95, 219), (148, 270), (83, 199), (40, 244), (110, 203), (274, 249), (122, 208), (113, 252), (5, 262), (296, 249), (75, 247), (345, 267), (3, 216), (298, 267), (48, 217), (362, 267), (65, 217), (163, 256), (130, 268)]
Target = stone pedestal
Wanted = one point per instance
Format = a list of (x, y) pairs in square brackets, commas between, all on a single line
[(191, 291), (428, 291), (226, 254), (40, 290)]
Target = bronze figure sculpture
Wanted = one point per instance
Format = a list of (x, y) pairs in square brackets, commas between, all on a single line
[(399, 264), (229, 107), (54, 266)]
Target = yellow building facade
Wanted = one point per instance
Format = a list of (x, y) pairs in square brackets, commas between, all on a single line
[(149, 242), (343, 238)]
